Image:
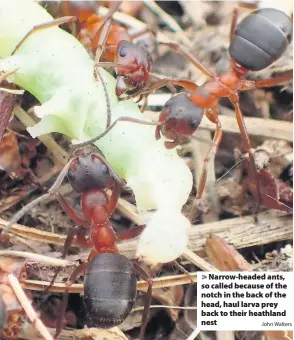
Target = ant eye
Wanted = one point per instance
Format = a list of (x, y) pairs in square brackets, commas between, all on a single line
[(193, 123), (123, 51), (104, 169)]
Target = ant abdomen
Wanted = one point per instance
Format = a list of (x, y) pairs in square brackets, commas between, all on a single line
[(3, 314), (87, 172), (261, 38), (180, 117), (110, 289)]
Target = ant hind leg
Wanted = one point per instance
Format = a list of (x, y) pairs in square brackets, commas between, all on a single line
[(213, 116), (146, 277)]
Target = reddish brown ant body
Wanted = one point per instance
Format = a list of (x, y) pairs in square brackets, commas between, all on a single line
[(253, 47)]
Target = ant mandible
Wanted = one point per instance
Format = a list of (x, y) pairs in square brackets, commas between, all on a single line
[(13, 301), (255, 43)]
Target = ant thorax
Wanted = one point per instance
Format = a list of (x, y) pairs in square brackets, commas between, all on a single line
[(165, 237)]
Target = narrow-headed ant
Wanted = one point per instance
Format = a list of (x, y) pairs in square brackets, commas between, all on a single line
[(90, 175), (255, 43)]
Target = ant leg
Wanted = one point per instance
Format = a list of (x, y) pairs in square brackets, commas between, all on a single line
[(77, 271), (186, 84), (234, 22), (100, 39), (212, 115), (51, 23), (287, 76), (145, 276), (68, 209), (172, 89), (247, 147), (113, 198), (127, 235), (247, 85), (104, 29), (26, 305), (120, 119), (77, 231), (190, 57)]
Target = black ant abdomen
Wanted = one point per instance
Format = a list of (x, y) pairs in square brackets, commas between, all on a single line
[(110, 289), (261, 38)]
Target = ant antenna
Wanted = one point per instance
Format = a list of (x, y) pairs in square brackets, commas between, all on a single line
[(120, 119), (108, 105), (105, 28), (227, 172)]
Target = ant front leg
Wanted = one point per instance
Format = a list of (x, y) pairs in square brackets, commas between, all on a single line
[(79, 270), (234, 23), (247, 85), (286, 77), (103, 31), (81, 240), (186, 84), (68, 209), (212, 115), (40, 27), (247, 147), (127, 235), (146, 277)]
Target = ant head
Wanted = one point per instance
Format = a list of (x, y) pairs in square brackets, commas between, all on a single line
[(180, 117), (89, 170), (130, 54)]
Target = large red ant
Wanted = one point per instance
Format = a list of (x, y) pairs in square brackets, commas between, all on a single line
[(13, 301), (89, 174), (182, 114)]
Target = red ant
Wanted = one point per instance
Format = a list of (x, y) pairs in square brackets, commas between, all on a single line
[(255, 43), (13, 301), (89, 25), (89, 174)]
